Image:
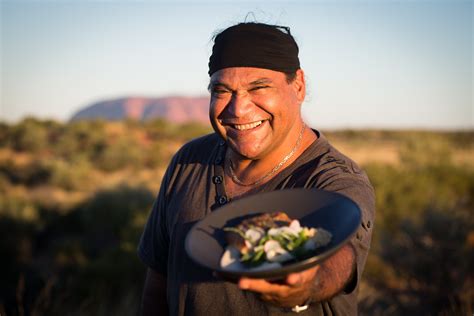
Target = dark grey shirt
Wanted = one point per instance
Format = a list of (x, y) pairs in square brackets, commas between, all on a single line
[(189, 192)]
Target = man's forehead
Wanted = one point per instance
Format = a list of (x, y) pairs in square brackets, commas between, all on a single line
[(246, 75)]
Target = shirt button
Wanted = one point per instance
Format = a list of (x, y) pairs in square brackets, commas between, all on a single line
[(218, 160), (217, 179), (221, 143), (222, 199)]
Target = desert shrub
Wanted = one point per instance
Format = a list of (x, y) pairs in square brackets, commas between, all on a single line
[(123, 152), (4, 134), (17, 207), (73, 176), (406, 193), (87, 256), (461, 139), (418, 152), (18, 281), (5, 184), (35, 172), (104, 255), (156, 155), (192, 130), (117, 274), (108, 216), (421, 256), (431, 263), (81, 139), (159, 129), (29, 136)]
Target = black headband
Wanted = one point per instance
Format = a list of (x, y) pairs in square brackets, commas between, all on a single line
[(255, 45)]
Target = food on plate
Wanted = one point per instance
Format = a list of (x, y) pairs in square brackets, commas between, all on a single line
[(267, 240)]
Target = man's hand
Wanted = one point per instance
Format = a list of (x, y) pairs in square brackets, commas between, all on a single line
[(319, 283), (296, 289)]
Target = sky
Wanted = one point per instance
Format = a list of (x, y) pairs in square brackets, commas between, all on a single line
[(368, 64)]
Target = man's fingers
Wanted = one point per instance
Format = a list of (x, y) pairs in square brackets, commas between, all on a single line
[(260, 285), (297, 279), (294, 279), (293, 282)]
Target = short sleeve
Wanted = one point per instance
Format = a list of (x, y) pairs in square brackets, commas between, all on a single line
[(358, 188), (154, 243)]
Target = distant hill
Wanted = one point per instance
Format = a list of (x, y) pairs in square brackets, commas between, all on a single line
[(175, 109)]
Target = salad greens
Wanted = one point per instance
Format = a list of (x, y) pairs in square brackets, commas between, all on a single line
[(278, 245)]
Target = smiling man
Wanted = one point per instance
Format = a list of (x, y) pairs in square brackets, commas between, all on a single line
[(260, 144)]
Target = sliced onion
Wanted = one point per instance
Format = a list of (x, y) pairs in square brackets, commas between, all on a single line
[(230, 260), (295, 226), (254, 235), (275, 253), (282, 230)]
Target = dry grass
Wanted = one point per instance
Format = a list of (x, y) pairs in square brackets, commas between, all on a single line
[(387, 153)]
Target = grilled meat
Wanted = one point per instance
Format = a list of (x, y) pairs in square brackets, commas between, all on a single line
[(264, 221)]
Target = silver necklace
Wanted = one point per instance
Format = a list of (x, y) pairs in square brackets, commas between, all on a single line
[(273, 171)]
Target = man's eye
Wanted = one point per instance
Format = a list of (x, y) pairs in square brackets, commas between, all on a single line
[(258, 88), (219, 91)]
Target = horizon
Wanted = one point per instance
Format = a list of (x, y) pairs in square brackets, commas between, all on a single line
[(368, 65)]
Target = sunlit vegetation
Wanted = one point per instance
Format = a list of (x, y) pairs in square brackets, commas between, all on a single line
[(74, 198)]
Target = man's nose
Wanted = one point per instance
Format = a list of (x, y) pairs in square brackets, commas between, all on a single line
[(240, 105)]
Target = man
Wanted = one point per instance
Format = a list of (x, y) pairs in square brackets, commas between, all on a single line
[(261, 144)]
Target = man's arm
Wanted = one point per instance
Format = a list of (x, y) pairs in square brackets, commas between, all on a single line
[(319, 283), (154, 294), (334, 274)]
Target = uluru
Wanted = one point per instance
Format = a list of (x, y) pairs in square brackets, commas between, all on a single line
[(178, 109)]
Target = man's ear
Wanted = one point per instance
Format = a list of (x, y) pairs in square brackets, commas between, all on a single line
[(299, 84)]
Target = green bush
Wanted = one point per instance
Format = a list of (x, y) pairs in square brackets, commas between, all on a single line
[(116, 276), (18, 208), (4, 134), (35, 172), (16, 250), (73, 176), (421, 258), (30, 135), (431, 261), (159, 129), (192, 130), (109, 215), (79, 140), (156, 155), (123, 153)]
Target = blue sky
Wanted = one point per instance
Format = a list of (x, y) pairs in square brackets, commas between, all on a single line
[(369, 64)]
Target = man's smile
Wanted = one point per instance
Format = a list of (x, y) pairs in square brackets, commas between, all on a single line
[(243, 126)]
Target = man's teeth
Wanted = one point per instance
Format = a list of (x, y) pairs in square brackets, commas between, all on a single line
[(247, 126)]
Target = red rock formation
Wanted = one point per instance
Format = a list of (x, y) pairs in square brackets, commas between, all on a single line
[(175, 109)]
